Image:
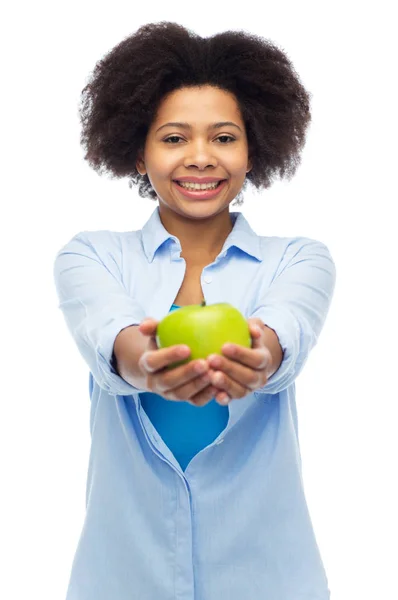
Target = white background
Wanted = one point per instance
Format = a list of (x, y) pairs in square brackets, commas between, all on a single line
[(344, 194)]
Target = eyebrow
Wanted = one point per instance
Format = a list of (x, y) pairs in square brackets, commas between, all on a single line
[(212, 126)]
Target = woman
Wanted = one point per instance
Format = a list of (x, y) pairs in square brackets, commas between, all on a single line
[(189, 498)]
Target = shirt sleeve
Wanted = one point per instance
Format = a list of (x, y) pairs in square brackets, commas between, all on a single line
[(96, 305), (296, 305)]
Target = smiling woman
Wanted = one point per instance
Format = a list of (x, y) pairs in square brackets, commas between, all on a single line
[(230, 107), (119, 104), (191, 121)]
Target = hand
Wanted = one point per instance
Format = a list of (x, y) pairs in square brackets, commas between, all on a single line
[(241, 370), (181, 383)]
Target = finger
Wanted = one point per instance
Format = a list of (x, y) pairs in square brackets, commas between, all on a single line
[(184, 378), (222, 398), (232, 388), (148, 326), (206, 395), (252, 358), (255, 322), (155, 359), (245, 376), (216, 394), (188, 386), (152, 347), (256, 328), (148, 321), (256, 335)]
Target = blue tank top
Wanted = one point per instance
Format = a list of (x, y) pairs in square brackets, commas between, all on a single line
[(184, 428)]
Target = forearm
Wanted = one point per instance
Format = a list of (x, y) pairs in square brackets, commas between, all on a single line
[(128, 348), (272, 343)]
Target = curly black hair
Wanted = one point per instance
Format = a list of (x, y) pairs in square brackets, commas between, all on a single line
[(120, 101)]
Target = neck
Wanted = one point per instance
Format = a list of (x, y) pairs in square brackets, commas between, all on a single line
[(201, 239)]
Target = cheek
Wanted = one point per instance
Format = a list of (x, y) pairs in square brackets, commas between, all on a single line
[(164, 166), (239, 172), (158, 161), (237, 164)]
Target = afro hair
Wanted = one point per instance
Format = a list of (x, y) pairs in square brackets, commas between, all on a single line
[(126, 87)]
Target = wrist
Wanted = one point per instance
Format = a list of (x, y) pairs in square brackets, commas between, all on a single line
[(273, 345), (128, 348)]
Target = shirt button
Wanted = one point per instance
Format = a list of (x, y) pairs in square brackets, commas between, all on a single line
[(207, 279)]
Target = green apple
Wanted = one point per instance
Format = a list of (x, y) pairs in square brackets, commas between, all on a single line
[(205, 329)]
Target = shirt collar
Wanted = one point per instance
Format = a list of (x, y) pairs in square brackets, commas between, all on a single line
[(242, 236)]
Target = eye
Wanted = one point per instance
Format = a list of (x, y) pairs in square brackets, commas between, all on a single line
[(229, 137), (176, 137), (172, 137)]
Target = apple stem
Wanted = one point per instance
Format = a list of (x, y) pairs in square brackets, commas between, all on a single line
[(203, 303)]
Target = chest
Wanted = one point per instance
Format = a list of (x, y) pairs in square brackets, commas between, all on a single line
[(190, 291)]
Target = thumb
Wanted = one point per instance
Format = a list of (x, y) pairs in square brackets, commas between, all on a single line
[(148, 325), (255, 333)]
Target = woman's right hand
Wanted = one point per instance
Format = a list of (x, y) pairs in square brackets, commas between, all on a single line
[(182, 383)]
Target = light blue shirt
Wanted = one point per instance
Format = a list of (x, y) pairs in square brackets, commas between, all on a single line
[(183, 502)]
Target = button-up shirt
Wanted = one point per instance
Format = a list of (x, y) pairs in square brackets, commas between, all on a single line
[(186, 502)]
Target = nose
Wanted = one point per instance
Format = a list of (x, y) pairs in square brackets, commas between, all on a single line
[(200, 154)]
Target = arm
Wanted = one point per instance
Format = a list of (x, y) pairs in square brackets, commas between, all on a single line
[(295, 306), (96, 306)]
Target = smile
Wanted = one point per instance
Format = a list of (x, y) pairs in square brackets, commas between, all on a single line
[(199, 186), (200, 192)]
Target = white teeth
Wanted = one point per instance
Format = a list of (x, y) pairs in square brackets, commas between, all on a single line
[(199, 186)]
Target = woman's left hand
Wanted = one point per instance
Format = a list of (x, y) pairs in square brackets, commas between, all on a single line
[(241, 370)]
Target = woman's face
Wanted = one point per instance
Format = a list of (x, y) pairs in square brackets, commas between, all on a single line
[(197, 150)]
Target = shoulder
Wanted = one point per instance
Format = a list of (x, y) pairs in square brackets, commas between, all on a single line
[(104, 246), (287, 248), (105, 241), (281, 253)]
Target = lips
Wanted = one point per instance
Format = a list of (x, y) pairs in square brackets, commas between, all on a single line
[(199, 179), (200, 194), (218, 181)]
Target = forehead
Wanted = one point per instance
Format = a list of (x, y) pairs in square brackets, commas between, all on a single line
[(204, 103)]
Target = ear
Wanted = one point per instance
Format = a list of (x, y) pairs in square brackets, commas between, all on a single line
[(140, 164), (249, 165)]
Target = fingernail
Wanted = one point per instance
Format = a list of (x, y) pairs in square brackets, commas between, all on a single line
[(146, 321), (215, 361), (218, 378), (229, 349), (184, 350)]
